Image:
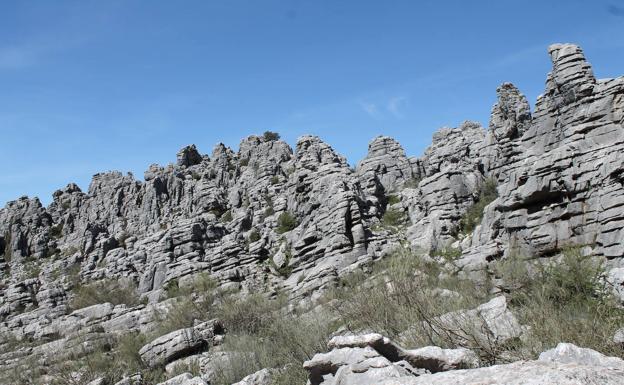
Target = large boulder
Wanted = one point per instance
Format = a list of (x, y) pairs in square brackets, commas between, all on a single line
[(180, 343)]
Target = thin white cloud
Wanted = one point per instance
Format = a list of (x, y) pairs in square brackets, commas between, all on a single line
[(371, 109), (395, 105)]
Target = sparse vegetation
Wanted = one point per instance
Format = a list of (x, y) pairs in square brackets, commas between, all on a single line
[(472, 218), (393, 199), (412, 183), (399, 296), (269, 210), (562, 301), (448, 254), (285, 222), (32, 269), (274, 180), (566, 299), (108, 290), (392, 218), (269, 337)]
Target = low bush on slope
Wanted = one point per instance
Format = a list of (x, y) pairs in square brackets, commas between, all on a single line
[(108, 290), (564, 300)]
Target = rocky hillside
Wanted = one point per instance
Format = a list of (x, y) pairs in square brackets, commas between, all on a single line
[(293, 223)]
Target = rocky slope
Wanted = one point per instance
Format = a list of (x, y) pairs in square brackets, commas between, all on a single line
[(270, 219)]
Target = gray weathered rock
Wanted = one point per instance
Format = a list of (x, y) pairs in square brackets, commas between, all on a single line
[(180, 343)]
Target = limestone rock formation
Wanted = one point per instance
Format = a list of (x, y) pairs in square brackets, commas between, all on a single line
[(374, 359), (270, 219)]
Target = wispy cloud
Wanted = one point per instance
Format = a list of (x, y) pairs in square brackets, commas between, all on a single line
[(385, 107), (395, 106), (371, 109)]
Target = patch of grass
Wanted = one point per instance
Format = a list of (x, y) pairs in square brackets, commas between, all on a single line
[(448, 254), (285, 222), (392, 218), (108, 290), (473, 216), (274, 180), (393, 199), (201, 283)]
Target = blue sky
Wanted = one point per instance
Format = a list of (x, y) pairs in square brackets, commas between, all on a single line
[(89, 86)]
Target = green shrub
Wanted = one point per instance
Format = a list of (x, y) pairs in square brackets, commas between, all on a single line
[(226, 217), (285, 222), (56, 231), (449, 254), (274, 180), (271, 136), (244, 162), (107, 290), (473, 216), (250, 314), (254, 236)]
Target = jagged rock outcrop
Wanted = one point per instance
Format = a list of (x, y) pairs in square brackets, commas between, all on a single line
[(560, 187), (268, 219)]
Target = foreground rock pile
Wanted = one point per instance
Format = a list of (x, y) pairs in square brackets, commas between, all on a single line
[(268, 218), (374, 359)]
